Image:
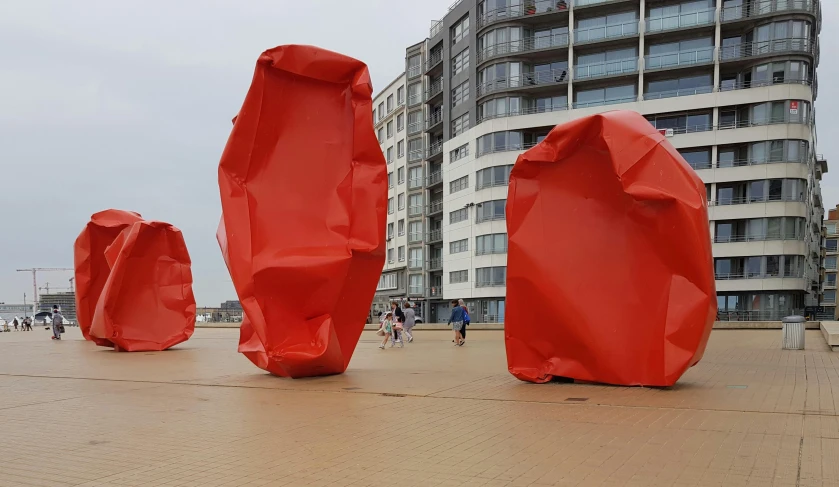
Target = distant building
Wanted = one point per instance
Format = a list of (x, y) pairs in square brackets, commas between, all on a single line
[(232, 305), (65, 301), (9, 311), (829, 256)]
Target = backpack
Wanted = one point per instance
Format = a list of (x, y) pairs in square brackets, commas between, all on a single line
[(465, 316)]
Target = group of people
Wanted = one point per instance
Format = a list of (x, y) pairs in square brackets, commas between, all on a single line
[(395, 324), (25, 324)]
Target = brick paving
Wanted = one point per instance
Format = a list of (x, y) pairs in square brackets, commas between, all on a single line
[(429, 414)]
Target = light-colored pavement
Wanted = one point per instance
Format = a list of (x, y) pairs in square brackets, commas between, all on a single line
[(428, 414)]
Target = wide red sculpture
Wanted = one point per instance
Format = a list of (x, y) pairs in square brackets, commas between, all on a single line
[(304, 193), (609, 268), (91, 267), (137, 277)]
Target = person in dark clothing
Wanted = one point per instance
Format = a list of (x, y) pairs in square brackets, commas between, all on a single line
[(456, 322), (398, 317)]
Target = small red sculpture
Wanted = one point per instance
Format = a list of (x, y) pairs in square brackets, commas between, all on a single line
[(304, 194), (609, 269)]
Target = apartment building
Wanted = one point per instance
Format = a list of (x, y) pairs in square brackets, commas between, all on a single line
[(731, 83), (830, 254)]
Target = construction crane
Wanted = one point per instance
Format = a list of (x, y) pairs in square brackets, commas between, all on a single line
[(34, 272)]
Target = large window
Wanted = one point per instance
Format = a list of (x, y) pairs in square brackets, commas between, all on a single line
[(495, 243), (687, 14), (490, 276), (459, 246), (459, 153), (503, 40), (460, 30), (381, 110), (414, 231), (697, 158), (401, 253), (759, 229), (682, 123), (401, 201), (607, 63), (678, 53), (460, 61), (415, 204), (491, 210), (400, 96), (414, 66), (498, 76), (613, 25), (493, 176), (459, 184), (390, 154), (414, 122), (415, 150), (415, 258), (460, 215), (831, 245), (830, 262), (415, 284), (390, 205), (400, 175), (460, 94), (401, 227), (414, 93), (460, 124), (763, 152), (686, 85), (400, 122), (387, 281), (605, 96), (390, 105), (400, 149), (458, 276), (766, 74)]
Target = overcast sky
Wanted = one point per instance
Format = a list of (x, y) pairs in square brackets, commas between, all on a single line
[(127, 104)]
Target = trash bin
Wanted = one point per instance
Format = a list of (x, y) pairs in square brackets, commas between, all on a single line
[(793, 328)]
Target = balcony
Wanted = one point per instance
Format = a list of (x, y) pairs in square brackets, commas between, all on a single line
[(758, 275), (435, 292), (759, 8), (415, 290), (489, 218), (754, 315), (415, 210), (754, 238), (415, 237), (606, 32), (758, 199), (610, 68), (491, 283), (680, 21), (500, 250), (505, 148), (528, 44), (415, 155), (526, 80), (436, 28), (728, 86), (434, 89), (434, 236), (524, 111), (434, 149), (414, 128), (434, 178), (762, 48), (675, 93), (537, 8), (753, 162), (415, 183), (434, 207), (434, 59), (415, 264), (434, 264), (759, 123), (609, 101), (679, 59), (434, 118)]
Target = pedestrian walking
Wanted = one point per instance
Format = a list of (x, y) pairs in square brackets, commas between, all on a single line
[(386, 329), (465, 319), (456, 322), (15, 323), (398, 318), (57, 323), (410, 320)]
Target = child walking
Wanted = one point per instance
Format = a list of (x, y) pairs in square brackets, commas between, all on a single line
[(386, 330)]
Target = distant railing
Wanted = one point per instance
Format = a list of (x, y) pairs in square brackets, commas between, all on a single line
[(760, 48), (609, 68), (435, 88), (523, 45), (415, 290), (757, 162), (435, 292), (524, 111), (754, 238), (681, 92), (520, 10), (414, 128), (491, 283), (757, 8), (524, 80), (505, 148), (414, 210), (601, 32), (434, 149), (759, 199), (414, 71), (756, 315), (679, 21), (489, 218), (436, 27), (434, 235), (414, 99), (415, 263), (435, 207), (597, 103), (434, 118), (758, 275), (759, 123), (414, 237), (744, 85), (434, 178), (491, 251), (680, 58), (483, 184), (434, 264), (435, 58)]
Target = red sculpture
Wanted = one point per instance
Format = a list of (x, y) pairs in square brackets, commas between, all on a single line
[(304, 194), (136, 276), (609, 268), (91, 268)]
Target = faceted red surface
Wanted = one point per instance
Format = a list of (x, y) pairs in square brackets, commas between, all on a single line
[(91, 268), (304, 195), (609, 267), (147, 301)]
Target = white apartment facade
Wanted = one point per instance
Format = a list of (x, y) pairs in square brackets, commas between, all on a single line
[(732, 83)]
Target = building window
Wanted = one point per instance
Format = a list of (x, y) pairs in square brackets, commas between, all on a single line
[(459, 246), (612, 25), (495, 243), (458, 276), (605, 96), (830, 245), (389, 231), (401, 227), (390, 154), (697, 158), (460, 30), (830, 279), (829, 296), (400, 96), (459, 184), (390, 258), (390, 179), (830, 229), (387, 281), (459, 215), (415, 177), (400, 149), (390, 106), (459, 153), (491, 210), (401, 199), (415, 231), (400, 173), (381, 110), (490, 276), (493, 176), (415, 205), (460, 124), (415, 258), (414, 66), (390, 129), (414, 122), (686, 85), (381, 135), (414, 94), (460, 94), (415, 284), (400, 122), (512, 140), (682, 123), (390, 206), (460, 61), (685, 52), (402, 253), (830, 262), (415, 150)]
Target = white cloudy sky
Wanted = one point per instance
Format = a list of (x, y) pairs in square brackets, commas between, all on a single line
[(127, 104)]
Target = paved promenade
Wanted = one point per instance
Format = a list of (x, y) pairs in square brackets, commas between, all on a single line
[(426, 415)]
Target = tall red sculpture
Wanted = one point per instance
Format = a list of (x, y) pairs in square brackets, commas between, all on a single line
[(304, 194), (609, 268), (91, 267), (136, 275)]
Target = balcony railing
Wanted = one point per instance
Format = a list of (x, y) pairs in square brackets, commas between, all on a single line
[(682, 92), (505, 148), (414, 210), (415, 290), (758, 199), (415, 237), (761, 48), (435, 88), (415, 155), (434, 149), (434, 264), (434, 178), (524, 80), (523, 45), (523, 111), (610, 101), (434, 236), (434, 58), (414, 128), (414, 71), (435, 207), (757, 8), (680, 21), (760, 83), (602, 32), (491, 251), (758, 275), (756, 315), (754, 238), (414, 99), (415, 183), (489, 218), (609, 68), (520, 10), (491, 283), (681, 58), (415, 264), (435, 292), (754, 162), (436, 28), (491, 184), (586, 3), (761, 122), (434, 118)]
